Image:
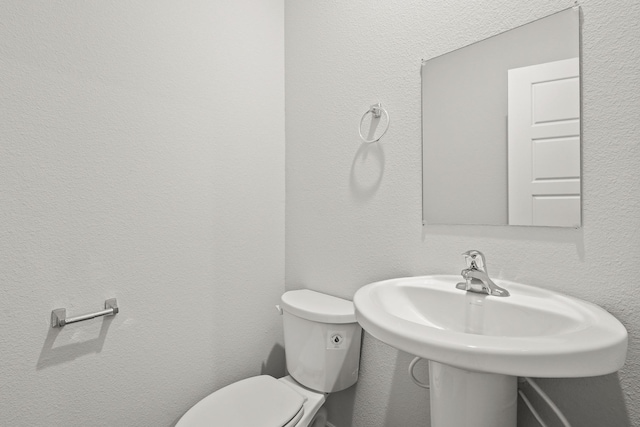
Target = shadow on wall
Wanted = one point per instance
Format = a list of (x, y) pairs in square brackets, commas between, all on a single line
[(367, 170), (80, 339), (408, 403), (342, 404), (384, 395), (592, 401), (275, 363)]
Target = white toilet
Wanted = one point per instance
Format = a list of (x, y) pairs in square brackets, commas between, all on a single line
[(322, 346)]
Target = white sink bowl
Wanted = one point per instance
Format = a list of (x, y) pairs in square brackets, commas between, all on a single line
[(534, 332)]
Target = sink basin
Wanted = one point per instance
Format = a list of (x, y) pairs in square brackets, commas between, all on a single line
[(534, 332)]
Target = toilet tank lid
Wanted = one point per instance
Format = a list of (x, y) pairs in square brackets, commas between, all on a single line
[(318, 307)]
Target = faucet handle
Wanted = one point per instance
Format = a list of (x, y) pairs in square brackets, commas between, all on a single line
[(475, 260)]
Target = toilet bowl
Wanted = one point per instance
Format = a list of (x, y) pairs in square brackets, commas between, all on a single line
[(322, 347)]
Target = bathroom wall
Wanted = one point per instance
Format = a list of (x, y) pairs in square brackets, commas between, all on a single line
[(354, 210), (142, 158)]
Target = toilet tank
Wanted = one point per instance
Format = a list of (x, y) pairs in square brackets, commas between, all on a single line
[(321, 339)]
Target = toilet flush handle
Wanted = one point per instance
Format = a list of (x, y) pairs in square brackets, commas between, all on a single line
[(279, 309)]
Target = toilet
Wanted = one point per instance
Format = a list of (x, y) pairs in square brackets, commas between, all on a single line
[(322, 347)]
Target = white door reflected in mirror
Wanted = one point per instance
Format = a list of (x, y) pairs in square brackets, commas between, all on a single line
[(544, 144)]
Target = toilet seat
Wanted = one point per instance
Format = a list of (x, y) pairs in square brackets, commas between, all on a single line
[(260, 401)]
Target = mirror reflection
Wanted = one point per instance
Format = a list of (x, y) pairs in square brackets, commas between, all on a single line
[(501, 128)]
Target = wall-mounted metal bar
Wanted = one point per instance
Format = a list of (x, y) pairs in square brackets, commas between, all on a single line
[(59, 315)]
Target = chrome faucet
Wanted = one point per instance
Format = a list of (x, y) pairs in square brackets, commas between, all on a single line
[(476, 276)]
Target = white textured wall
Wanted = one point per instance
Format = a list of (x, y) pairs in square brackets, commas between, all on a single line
[(354, 211), (141, 157)]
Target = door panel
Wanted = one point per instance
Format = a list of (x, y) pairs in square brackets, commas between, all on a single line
[(544, 144)]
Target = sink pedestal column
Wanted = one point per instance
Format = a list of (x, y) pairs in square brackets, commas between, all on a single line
[(467, 398)]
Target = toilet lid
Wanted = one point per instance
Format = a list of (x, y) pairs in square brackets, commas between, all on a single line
[(257, 401)]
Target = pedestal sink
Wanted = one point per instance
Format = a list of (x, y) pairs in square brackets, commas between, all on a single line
[(477, 345)]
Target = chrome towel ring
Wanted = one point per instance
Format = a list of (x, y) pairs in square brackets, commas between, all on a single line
[(376, 111)]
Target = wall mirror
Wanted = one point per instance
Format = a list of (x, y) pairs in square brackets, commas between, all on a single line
[(501, 128)]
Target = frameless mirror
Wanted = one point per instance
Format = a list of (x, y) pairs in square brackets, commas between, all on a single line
[(501, 128)]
